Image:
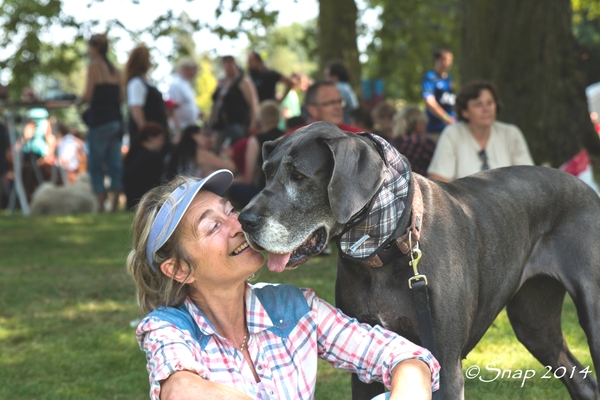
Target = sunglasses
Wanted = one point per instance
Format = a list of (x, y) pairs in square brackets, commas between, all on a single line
[(484, 160)]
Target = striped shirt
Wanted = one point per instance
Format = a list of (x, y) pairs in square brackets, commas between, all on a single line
[(286, 366)]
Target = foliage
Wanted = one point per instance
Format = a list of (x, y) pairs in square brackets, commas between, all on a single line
[(586, 28), (24, 24), (286, 49), (401, 50)]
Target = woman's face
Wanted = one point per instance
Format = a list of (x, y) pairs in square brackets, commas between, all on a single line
[(214, 240), (230, 68), (482, 110), (202, 140), (92, 50)]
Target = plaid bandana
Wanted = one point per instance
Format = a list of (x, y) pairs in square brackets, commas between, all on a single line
[(371, 230)]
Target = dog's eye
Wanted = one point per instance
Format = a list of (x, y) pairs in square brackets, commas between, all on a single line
[(297, 176)]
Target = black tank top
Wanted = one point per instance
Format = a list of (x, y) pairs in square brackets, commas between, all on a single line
[(105, 104), (234, 109), (154, 110)]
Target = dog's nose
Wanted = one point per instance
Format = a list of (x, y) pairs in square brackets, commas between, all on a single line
[(249, 220)]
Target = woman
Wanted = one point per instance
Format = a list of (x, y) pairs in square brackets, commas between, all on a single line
[(235, 104), (144, 100), (104, 93), (409, 138), (228, 339), (143, 166), (193, 156), (477, 142)]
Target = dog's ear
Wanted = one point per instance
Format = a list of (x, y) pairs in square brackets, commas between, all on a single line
[(269, 146), (357, 175)]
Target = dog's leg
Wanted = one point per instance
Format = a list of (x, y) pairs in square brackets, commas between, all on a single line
[(534, 313), (365, 391), (588, 310)]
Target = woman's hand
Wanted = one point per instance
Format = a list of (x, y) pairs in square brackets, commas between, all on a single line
[(411, 379), (186, 385)]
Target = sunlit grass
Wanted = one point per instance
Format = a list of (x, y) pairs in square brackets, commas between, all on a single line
[(66, 304)]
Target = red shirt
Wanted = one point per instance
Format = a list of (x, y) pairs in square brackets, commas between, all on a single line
[(342, 126)]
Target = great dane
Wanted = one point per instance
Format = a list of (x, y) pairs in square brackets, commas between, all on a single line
[(515, 237)]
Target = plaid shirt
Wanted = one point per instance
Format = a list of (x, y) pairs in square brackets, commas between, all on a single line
[(418, 149), (287, 367)]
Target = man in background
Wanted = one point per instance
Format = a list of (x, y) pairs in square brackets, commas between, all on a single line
[(266, 79), (438, 93), (323, 102)]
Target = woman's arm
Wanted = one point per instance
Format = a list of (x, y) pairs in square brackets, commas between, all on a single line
[(252, 150), (137, 113), (205, 158), (411, 379), (92, 77), (186, 385), (50, 142), (249, 91), (371, 352)]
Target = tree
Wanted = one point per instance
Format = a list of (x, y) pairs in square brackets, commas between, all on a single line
[(402, 48), (586, 28), (528, 50), (286, 49), (337, 36), (24, 22)]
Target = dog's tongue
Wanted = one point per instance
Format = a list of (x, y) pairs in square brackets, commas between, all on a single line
[(277, 262)]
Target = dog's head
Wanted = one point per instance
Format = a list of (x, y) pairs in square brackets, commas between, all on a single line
[(316, 179)]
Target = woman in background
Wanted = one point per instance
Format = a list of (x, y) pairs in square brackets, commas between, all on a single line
[(478, 141), (410, 140), (144, 100), (144, 163), (104, 93), (193, 156)]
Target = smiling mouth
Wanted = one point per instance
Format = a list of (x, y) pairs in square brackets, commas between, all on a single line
[(240, 248)]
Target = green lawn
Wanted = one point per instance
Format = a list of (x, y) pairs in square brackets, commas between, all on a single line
[(66, 304)]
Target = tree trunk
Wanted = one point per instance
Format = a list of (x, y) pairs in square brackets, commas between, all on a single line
[(337, 36), (528, 50)]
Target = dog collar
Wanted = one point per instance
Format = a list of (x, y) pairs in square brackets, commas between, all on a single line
[(375, 227)]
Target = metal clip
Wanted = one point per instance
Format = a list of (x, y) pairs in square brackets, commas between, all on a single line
[(415, 257), (416, 278), (414, 262)]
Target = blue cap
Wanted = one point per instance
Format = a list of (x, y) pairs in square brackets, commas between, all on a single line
[(171, 212)]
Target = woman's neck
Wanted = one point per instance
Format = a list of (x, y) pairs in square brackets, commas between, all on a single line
[(224, 308), (480, 133)]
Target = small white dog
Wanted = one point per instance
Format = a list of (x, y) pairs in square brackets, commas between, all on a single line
[(50, 199)]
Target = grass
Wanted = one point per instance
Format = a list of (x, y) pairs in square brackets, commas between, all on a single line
[(66, 304)]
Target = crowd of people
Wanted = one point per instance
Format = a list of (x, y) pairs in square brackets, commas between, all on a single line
[(454, 136)]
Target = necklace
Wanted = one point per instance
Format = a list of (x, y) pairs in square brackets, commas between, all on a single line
[(244, 340)]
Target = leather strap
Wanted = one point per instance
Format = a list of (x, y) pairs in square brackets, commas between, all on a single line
[(421, 297), (416, 221)]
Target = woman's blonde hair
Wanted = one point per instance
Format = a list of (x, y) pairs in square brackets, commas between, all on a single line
[(153, 288), (406, 120)]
